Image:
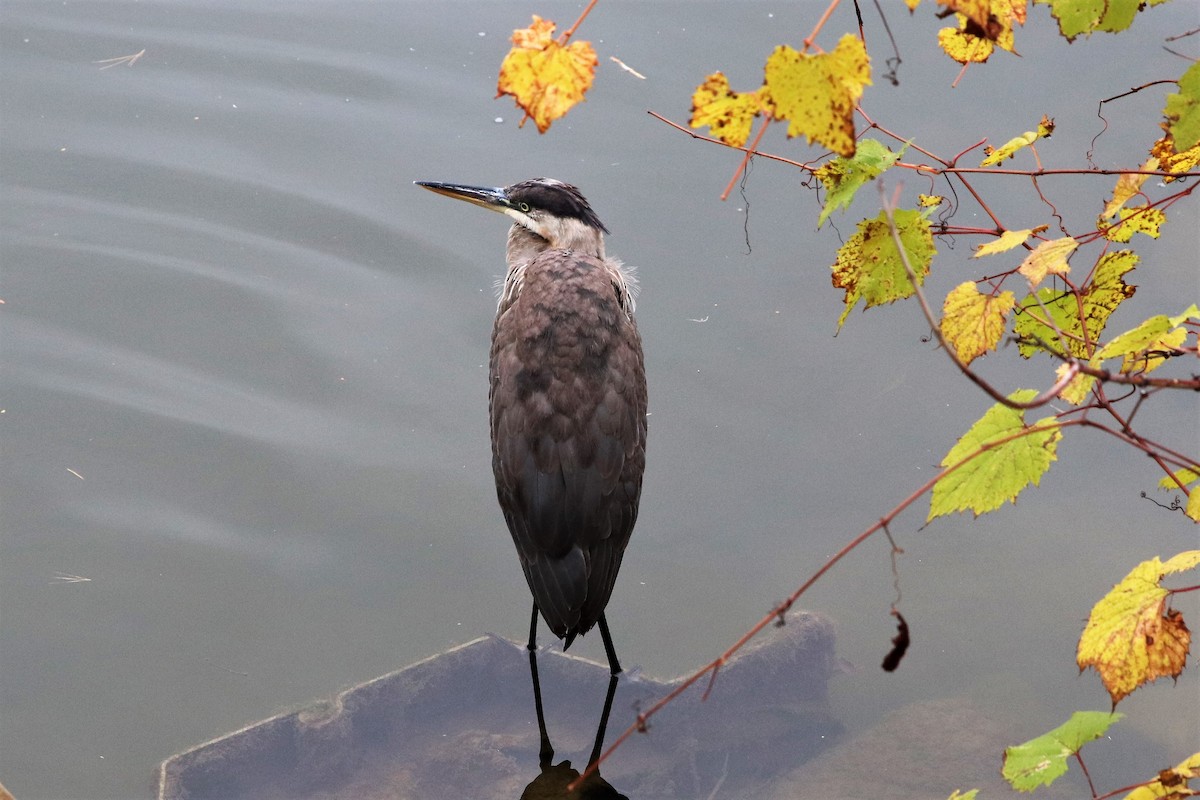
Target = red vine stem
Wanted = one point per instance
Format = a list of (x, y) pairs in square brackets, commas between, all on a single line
[(946, 167), (569, 32), (746, 158), (744, 149), (808, 41)]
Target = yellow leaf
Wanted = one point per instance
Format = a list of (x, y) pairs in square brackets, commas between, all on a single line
[(1171, 784), (545, 78), (930, 200), (727, 113), (1185, 475), (1048, 258), (912, 5), (1193, 506), (1005, 241), (1136, 219), (1131, 638), (1153, 356), (963, 47), (817, 94), (972, 322), (1127, 186), (1078, 389)]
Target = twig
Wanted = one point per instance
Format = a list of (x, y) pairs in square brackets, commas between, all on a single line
[(128, 61), (626, 67), (569, 32)]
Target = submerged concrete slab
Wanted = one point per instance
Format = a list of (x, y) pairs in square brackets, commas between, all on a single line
[(461, 724)]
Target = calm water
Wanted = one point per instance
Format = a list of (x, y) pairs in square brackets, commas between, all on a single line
[(244, 383)]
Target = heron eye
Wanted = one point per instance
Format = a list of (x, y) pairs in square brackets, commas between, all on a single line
[(524, 207)]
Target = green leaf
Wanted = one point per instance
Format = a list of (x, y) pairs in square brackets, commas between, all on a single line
[(842, 176), (1060, 311), (1002, 461), (869, 266), (1183, 110), (1087, 16), (1041, 761), (1143, 336)]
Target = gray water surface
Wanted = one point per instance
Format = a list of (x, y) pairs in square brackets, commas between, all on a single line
[(245, 451)]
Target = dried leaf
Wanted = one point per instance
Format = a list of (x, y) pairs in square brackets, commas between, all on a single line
[(1131, 638), (1171, 784)]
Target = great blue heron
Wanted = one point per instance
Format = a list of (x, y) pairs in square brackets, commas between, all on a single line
[(567, 402)]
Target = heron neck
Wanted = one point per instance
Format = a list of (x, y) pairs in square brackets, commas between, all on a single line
[(524, 245)]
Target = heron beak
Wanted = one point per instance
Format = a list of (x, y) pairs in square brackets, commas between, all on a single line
[(493, 199)]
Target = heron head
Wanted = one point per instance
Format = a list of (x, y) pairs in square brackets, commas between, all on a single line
[(554, 211)]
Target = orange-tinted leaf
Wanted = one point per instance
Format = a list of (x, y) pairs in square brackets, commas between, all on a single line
[(544, 77), (1131, 638), (817, 94), (1127, 186), (1169, 160), (727, 113)]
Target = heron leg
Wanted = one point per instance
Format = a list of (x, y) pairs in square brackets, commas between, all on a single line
[(614, 666), (545, 749), (608, 701)]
